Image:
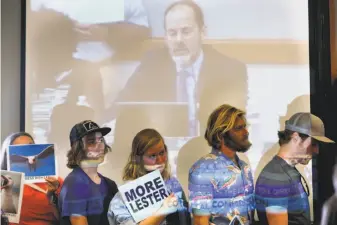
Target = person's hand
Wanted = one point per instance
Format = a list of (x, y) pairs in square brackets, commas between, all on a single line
[(94, 32), (52, 183), (6, 182), (170, 205)]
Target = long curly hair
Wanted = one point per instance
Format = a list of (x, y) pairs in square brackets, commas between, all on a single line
[(143, 140)]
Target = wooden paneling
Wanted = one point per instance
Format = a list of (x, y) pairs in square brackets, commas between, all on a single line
[(257, 51)]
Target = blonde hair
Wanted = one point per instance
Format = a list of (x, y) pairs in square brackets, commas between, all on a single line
[(221, 120), (143, 140)]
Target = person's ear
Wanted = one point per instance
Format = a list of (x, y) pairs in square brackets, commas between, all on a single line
[(203, 32), (295, 137)]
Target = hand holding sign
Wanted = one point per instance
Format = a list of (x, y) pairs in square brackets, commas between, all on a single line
[(53, 184), (37, 161), (12, 193), (147, 196), (170, 205)]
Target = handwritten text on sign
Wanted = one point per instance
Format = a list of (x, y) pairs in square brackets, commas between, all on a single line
[(145, 195)]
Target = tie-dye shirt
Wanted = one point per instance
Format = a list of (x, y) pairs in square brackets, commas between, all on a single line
[(118, 213), (219, 188)]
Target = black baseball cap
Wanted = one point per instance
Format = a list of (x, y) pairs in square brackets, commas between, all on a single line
[(84, 128)]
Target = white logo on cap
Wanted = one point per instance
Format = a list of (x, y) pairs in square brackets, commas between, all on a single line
[(89, 126)]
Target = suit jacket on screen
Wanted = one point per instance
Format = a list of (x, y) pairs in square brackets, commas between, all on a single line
[(221, 80)]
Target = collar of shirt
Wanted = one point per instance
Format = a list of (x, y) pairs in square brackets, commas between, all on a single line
[(195, 68), (283, 162), (228, 160)]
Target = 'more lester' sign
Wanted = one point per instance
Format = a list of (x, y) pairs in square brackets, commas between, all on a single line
[(145, 195)]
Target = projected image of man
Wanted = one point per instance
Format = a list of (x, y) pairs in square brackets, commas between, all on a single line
[(221, 184), (281, 197), (185, 70)]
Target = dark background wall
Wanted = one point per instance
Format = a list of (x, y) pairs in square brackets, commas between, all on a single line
[(10, 66)]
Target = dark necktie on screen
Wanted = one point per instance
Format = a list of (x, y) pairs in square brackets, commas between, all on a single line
[(186, 89)]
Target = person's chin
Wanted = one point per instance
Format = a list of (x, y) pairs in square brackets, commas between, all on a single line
[(245, 147), (161, 169), (305, 161)]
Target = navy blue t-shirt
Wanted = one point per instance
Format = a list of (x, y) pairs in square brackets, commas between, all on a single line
[(81, 196)]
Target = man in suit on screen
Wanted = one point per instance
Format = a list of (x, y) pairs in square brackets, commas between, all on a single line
[(187, 71)]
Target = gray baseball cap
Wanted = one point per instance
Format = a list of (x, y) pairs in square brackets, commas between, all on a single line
[(309, 124)]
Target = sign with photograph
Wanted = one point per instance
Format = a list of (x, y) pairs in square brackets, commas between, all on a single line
[(11, 194), (145, 195), (36, 161)]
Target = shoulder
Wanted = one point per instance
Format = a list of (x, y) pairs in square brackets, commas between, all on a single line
[(75, 188), (117, 199), (173, 184), (218, 58), (272, 177), (75, 177), (116, 203), (111, 185), (274, 167), (110, 182), (73, 182), (157, 54), (207, 166)]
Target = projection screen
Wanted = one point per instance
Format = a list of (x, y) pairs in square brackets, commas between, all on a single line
[(86, 60)]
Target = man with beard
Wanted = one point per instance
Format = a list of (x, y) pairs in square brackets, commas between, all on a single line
[(86, 194), (281, 197), (220, 184), (187, 71)]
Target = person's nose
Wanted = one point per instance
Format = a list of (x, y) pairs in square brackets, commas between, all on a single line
[(246, 132), (99, 146), (179, 37), (315, 149)]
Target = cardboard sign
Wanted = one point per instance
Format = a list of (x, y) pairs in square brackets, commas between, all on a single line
[(35, 161), (11, 194), (145, 195)]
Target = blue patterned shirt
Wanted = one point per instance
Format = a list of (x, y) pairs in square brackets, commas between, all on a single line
[(217, 187), (119, 214)]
